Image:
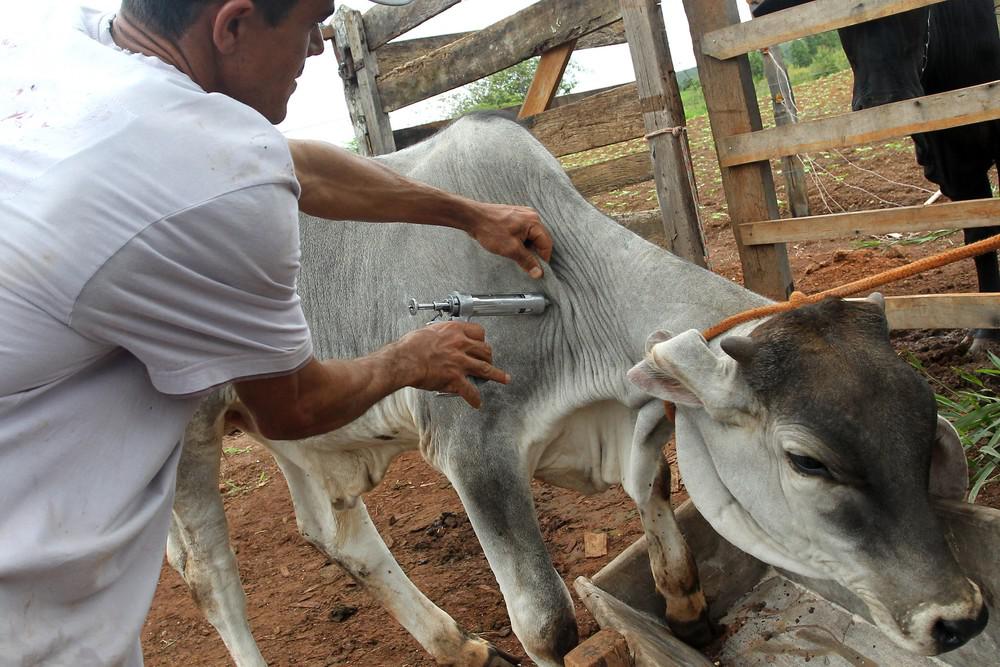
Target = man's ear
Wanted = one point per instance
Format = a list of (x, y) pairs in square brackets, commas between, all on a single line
[(229, 22)]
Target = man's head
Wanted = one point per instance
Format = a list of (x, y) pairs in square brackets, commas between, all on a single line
[(250, 50)]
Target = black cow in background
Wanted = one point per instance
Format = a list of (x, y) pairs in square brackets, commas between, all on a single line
[(949, 45)]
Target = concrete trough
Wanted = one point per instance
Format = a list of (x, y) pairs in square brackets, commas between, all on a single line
[(776, 618)]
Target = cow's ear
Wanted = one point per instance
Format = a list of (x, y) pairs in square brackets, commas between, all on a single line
[(949, 467), (685, 371)]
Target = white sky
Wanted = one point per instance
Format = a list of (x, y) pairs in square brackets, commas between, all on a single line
[(317, 109)]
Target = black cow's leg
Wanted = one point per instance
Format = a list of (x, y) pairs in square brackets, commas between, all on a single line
[(987, 266)]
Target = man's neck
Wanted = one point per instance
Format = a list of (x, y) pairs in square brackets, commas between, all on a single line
[(132, 36)]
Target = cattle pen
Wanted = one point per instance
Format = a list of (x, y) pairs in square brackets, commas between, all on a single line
[(381, 76)]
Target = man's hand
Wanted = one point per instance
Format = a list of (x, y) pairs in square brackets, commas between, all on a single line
[(512, 232), (340, 185), (444, 354)]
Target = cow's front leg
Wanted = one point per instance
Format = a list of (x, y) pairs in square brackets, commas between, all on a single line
[(495, 490), (349, 538), (647, 482), (198, 545)]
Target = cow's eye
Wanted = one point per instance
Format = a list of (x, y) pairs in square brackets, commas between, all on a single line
[(807, 465)]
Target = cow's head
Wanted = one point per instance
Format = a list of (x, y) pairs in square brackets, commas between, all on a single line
[(812, 446), (887, 55)]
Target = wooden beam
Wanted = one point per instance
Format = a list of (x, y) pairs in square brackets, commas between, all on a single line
[(548, 76), (663, 117), (943, 311), (809, 18), (599, 120), (530, 32), (974, 213), (612, 174), (732, 108), (384, 23), (408, 136), (392, 55), (923, 114), (359, 70)]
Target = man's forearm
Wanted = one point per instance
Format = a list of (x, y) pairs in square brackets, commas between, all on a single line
[(340, 185)]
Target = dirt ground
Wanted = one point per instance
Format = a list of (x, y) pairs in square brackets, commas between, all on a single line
[(306, 611)]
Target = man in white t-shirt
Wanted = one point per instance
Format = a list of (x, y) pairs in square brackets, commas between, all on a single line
[(149, 252)]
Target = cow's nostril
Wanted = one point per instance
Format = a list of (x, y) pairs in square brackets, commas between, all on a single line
[(950, 634)]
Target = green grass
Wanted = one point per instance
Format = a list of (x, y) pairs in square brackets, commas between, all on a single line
[(974, 411), (900, 239)]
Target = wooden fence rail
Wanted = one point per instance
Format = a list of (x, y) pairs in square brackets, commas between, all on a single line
[(807, 19), (530, 32), (974, 213), (922, 114)]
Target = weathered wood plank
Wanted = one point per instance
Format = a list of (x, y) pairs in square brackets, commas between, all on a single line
[(923, 114), (943, 311), (384, 23), (408, 136), (548, 76), (530, 32), (599, 120), (974, 213), (807, 19), (732, 108), (663, 116), (358, 66), (612, 174), (392, 55)]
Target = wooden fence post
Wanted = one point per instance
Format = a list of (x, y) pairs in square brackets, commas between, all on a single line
[(548, 76), (663, 115), (732, 109), (785, 113), (359, 71)]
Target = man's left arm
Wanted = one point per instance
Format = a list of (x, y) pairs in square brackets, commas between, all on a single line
[(340, 185)]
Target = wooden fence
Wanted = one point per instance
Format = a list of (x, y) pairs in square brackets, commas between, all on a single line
[(382, 76), (744, 149)]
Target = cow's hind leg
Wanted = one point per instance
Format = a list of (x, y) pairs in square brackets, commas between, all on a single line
[(341, 528), (647, 482), (198, 544), (493, 484)]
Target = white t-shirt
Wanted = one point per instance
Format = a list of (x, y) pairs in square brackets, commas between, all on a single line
[(148, 252)]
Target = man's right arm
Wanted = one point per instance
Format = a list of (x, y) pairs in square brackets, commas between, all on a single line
[(323, 396)]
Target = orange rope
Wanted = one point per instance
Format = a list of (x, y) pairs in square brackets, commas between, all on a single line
[(899, 273), (797, 299)]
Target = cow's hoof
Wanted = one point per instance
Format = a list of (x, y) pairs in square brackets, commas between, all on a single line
[(478, 652), (979, 341), (695, 633)]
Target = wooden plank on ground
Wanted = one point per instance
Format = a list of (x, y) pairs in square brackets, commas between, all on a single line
[(384, 23), (807, 19), (529, 32), (732, 107), (548, 76), (923, 114), (663, 115), (392, 55), (599, 120), (612, 174), (973, 213), (943, 311)]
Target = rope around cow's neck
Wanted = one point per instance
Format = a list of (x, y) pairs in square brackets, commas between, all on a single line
[(797, 299)]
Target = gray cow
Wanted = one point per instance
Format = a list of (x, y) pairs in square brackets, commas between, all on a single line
[(807, 442)]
